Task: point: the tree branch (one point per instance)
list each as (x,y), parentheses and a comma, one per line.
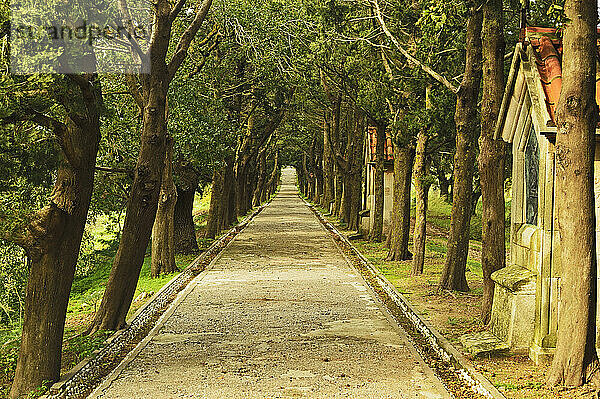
(176,10)
(347,92)
(58,128)
(134,90)
(186,40)
(339,158)
(207,53)
(406,54)
(106,169)
(137,50)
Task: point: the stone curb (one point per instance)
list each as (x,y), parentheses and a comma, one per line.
(440,345)
(84,377)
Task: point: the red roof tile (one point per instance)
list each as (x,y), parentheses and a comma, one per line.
(548,51)
(389,149)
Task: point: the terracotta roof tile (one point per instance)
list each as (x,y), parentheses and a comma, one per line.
(389,149)
(548,51)
(549,66)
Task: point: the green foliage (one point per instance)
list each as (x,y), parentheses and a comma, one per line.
(13,278)
(80,347)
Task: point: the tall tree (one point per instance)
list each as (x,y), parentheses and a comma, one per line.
(163,232)
(453,276)
(355,169)
(575,361)
(404,155)
(52,237)
(491,153)
(150,94)
(422,185)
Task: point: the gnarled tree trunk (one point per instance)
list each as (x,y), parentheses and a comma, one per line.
(163,232)
(52,241)
(453,276)
(139,217)
(575,361)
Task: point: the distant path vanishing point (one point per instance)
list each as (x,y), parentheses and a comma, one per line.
(281,314)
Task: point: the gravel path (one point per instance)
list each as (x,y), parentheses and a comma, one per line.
(279,315)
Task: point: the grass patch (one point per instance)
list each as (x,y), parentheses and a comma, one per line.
(439,211)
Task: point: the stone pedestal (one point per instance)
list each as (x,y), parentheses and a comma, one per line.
(365,221)
(541,355)
(513,311)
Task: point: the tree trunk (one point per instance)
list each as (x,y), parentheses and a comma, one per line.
(444,187)
(217,202)
(339,191)
(52,243)
(241,180)
(453,276)
(491,154)
(185,232)
(163,232)
(356,162)
(440,174)
(474,200)
(259,192)
(228,199)
(274,179)
(251,183)
(144,192)
(422,186)
(376,231)
(306,180)
(318,164)
(328,175)
(400,229)
(335,152)
(140,215)
(311,170)
(187,180)
(575,361)
(346,199)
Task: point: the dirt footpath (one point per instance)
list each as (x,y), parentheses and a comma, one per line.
(279,315)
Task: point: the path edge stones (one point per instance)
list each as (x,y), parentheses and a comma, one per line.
(88,374)
(431,338)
